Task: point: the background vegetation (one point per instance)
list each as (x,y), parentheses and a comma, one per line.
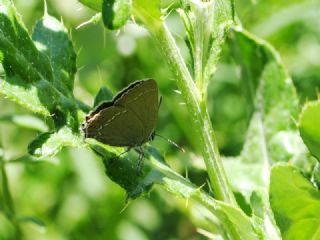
(70,192)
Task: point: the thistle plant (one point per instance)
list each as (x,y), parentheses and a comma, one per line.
(38,73)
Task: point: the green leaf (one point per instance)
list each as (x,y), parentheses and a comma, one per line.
(245,177)
(272,135)
(104,94)
(20,60)
(29,79)
(26,121)
(262,214)
(309,127)
(115,13)
(123,170)
(50,143)
(51,38)
(20,56)
(295,203)
(270,92)
(39,76)
(25,159)
(40,97)
(268,87)
(93,4)
(147,13)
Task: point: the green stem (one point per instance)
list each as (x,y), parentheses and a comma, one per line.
(168,179)
(6,200)
(198,110)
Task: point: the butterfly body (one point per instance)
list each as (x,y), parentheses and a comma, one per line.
(129,120)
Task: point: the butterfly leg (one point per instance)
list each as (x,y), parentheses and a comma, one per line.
(117,157)
(140,160)
(127,150)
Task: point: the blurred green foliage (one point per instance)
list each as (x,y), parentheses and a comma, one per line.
(71,193)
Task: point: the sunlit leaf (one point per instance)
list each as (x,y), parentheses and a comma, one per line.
(270,92)
(309,127)
(272,135)
(50,143)
(39,76)
(295,203)
(115,13)
(29,79)
(20,56)
(51,38)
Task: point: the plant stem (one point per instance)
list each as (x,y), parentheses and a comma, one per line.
(168,179)
(197,107)
(6,199)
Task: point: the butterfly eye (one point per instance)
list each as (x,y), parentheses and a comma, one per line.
(152,136)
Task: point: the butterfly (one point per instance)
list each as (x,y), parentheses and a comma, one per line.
(129,119)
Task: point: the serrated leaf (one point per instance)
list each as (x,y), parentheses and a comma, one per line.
(29,79)
(123,170)
(51,38)
(115,13)
(104,94)
(309,127)
(20,56)
(295,203)
(270,92)
(50,143)
(272,135)
(40,78)
(25,94)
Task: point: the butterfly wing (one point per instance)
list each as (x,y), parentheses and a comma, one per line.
(142,99)
(115,126)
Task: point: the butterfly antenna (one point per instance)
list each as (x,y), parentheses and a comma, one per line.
(170,141)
